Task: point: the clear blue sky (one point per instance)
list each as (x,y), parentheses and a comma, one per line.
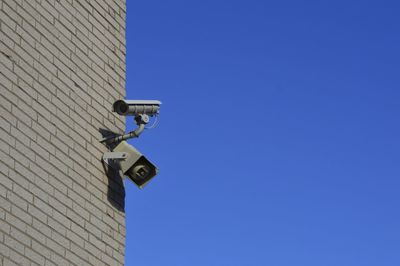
(279,135)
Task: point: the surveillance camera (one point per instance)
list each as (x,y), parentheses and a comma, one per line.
(141,109)
(136,107)
(125,157)
(134,165)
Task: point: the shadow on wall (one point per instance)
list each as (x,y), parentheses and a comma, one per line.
(116,190)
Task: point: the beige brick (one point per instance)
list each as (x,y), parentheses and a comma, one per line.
(14,244)
(5,227)
(37,213)
(5,252)
(21,136)
(19,259)
(75,238)
(20,236)
(35,236)
(60,260)
(53,245)
(75,258)
(62,65)
(34,256)
(23,194)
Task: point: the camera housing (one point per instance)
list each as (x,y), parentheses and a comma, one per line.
(136,107)
(135,165)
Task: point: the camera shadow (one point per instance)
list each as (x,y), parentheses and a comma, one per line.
(115,186)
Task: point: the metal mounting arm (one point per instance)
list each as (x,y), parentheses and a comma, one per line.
(141,121)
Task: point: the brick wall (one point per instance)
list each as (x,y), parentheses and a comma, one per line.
(62,65)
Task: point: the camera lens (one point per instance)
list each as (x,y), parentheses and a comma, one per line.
(141,171)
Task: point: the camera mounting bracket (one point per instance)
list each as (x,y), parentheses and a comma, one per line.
(116,156)
(141,121)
